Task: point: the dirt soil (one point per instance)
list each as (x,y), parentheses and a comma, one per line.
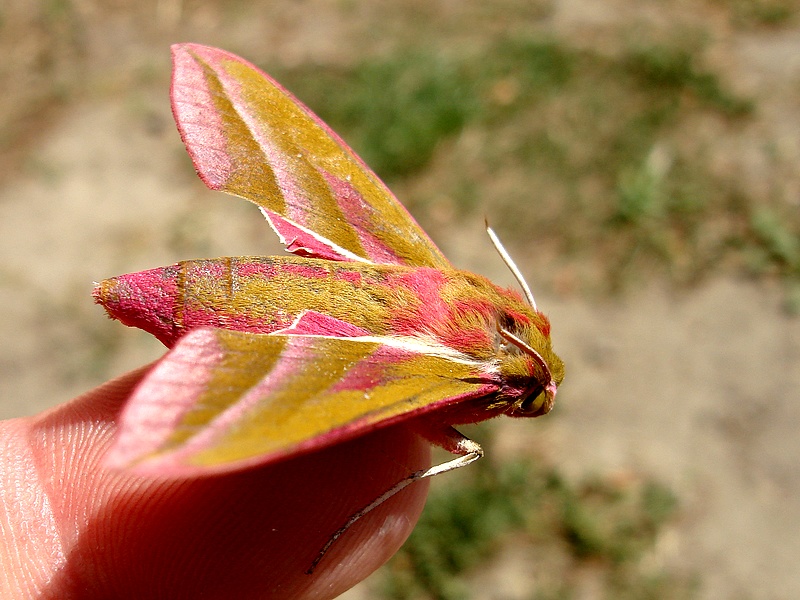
(698,388)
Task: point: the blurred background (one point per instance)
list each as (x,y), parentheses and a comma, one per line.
(639,158)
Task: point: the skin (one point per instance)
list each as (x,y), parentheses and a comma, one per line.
(71,529)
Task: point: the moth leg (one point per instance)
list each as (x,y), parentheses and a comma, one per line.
(448,438)
(453,441)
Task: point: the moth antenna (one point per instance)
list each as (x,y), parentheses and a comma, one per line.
(498,245)
(528,350)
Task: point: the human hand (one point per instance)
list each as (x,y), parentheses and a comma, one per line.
(69,528)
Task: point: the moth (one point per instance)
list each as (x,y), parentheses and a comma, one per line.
(364,324)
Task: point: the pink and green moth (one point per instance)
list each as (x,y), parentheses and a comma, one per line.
(365,324)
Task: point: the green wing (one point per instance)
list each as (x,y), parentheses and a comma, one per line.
(250,137)
(222,400)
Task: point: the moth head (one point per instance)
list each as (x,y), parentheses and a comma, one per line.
(535,398)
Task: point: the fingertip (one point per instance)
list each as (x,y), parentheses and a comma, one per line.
(254,533)
(372,540)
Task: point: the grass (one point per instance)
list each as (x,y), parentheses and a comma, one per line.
(395,112)
(396,133)
(760,13)
(601,526)
(775,248)
(673,71)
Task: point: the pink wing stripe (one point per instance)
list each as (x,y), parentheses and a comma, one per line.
(311,322)
(249,136)
(205,138)
(363,218)
(284,370)
(151,416)
(359,214)
(300,242)
(202,129)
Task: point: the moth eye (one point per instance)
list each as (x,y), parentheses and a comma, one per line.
(532,405)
